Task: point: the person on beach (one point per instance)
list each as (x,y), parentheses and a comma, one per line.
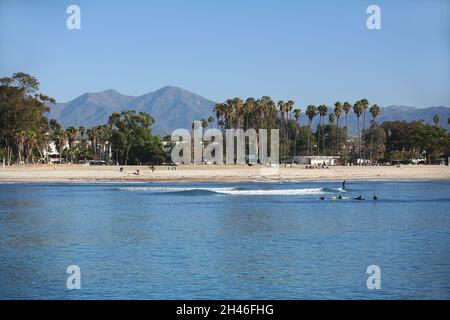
(136,173)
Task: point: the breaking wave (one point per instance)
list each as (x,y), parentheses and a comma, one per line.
(227,191)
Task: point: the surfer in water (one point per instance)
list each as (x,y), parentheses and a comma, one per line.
(340,197)
(375,197)
(343,185)
(359,198)
(322,198)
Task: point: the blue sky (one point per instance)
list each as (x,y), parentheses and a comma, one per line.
(309,51)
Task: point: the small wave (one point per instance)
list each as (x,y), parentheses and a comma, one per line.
(227,191)
(172,189)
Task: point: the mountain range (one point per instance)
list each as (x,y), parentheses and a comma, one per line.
(173,107)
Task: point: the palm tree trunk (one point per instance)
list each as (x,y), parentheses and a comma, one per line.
(309,137)
(295,142)
(287,135)
(371,139)
(364,135)
(318,137)
(371,147)
(337,137)
(323,136)
(346,137)
(359,140)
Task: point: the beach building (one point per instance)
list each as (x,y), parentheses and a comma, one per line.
(317,160)
(51,153)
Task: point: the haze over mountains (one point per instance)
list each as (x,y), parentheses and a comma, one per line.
(174,107)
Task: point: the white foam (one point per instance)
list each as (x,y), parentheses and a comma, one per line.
(172,189)
(277,192)
(230,191)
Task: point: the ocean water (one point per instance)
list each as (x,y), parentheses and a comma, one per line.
(255,240)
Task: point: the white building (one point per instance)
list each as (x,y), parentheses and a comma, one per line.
(317,160)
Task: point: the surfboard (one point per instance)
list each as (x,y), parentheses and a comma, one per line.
(336,198)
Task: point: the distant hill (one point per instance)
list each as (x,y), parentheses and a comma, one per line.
(410,113)
(174,107)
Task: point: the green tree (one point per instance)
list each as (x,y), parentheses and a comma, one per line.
(375,111)
(323,109)
(436,120)
(358,109)
(60,139)
(131,135)
(297,113)
(337,114)
(311,112)
(365,106)
(22,109)
(210,120)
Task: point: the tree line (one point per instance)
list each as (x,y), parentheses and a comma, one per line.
(26,133)
(390,141)
(126,138)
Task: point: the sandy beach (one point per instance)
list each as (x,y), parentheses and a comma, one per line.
(80,173)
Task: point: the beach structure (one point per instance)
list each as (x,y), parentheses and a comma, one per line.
(51,153)
(317,160)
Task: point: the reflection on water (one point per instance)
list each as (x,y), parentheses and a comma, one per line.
(219,241)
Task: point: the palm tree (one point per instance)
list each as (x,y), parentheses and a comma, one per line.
(331,118)
(289,107)
(72,133)
(210,120)
(311,112)
(204,123)
(82,131)
(60,137)
(375,111)
(269,111)
(282,108)
(337,113)
(239,111)
(93,134)
(436,120)
(297,113)
(347,108)
(233,112)
(228,114)
(219,110)
(358,110)
(365,105)
(323,109)
(250,106)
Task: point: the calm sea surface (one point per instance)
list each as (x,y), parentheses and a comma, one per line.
(225,240)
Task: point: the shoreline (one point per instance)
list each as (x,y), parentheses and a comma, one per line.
(215,173)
